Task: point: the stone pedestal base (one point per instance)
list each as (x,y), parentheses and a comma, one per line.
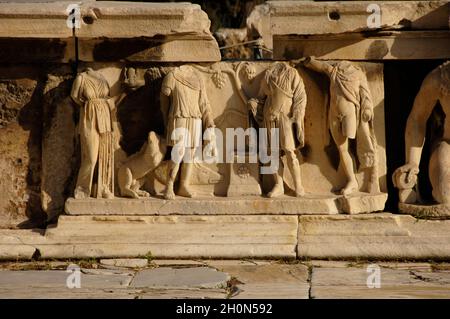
(250,205)
(368,236)
(440,211)
(173,236)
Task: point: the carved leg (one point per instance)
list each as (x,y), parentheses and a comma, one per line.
(439,172)
(278,188)
(125,180)
(294,167)
(137,188)
(173,171)
(89,140)
(186,172)
(347,164)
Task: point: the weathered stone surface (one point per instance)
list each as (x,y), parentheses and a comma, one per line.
(277,19)
(269,281)
(425,211)
(172,32)
(352,283)
(182,294)
(66,293)
(284,205)
(59,142)
(125,262)
(34,20)
(203,206)
(57,279)
(198,277)
(380,235)
(19,244)
(383,45)
(171,236)
(20,151)
(302,17)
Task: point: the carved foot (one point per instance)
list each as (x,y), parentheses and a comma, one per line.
(80,194)
(352,187)
(299,192)
(107,195)
(276,191)
(142,193)
(185,192)
(169,194)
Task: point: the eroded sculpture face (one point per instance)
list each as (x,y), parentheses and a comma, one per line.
(435,89)
(233,134)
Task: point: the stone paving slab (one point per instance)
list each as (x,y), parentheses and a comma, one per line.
(269,281)
(403,282)
(198,277)
(57,279)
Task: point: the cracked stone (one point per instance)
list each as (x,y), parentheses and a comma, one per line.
(198,277)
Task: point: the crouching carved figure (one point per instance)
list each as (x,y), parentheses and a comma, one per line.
(435,88)
(132,173)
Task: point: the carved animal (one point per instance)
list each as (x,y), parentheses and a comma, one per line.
(131,174)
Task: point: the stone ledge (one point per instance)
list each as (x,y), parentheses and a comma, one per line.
(285,205)
(383,236)
(385,45)
(171,236)
(298,17)
(168,32)
(19,244)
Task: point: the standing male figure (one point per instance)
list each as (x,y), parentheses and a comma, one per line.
(186,111)
(350,116)
(283,110)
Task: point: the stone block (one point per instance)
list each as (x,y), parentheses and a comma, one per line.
(171,236)
(198,277)
(381,235)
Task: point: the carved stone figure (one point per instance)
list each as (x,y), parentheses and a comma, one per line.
(185,108)
(350,117)
(91,91)
(283,109)
(131,175)
(435,88)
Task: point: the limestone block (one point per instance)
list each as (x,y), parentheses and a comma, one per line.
(268,281)
(19,244)
(298,17)
(351,282)
(34,20)
(125,262)
(380,235)
(438,211)
(383,45)
(197,277)
(35,32)
(20,152)
(171,236)
(341,30)
(175,32)
(243,205)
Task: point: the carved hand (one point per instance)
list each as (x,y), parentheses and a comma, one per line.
(405,177)
(252,105)
(367,115)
